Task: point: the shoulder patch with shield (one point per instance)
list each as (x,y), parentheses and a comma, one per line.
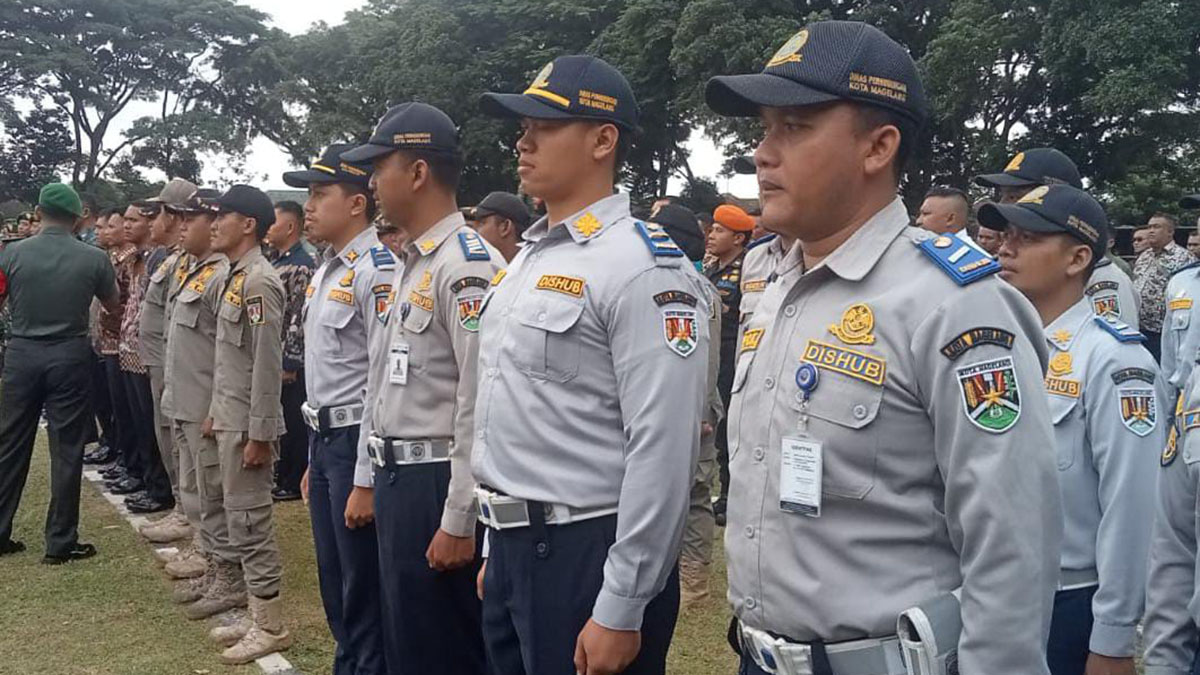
(383,301)
(254,310)
(1139,411)
(990,394)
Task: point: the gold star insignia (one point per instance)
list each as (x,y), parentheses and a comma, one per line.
(351,256)
(426,246)
(1062,335)
(588,225)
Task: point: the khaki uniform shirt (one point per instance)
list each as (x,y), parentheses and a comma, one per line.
(191,341)
(248,370)
(152,322)
(933,423)
(431,348)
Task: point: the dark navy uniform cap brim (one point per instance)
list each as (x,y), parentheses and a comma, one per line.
(302,179)
(1190,202)
(1004,180)
(743,95)
(999,216)
(520,105)
(367,153)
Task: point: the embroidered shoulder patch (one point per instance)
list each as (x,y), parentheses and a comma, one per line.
(1139,412)
(984,335)
(679,297)
(470,309)
(1126,374)
(1106,285)
(254,310)
(499,276)
(751,338)
(473,247)
(383,301)
(658,241)
(572,286)
(755,286)
(233,292)
(990,395)
(1061,386)
(964,264)
(423,301)
(468,282)
(856,364)
(344,297)
(679,329)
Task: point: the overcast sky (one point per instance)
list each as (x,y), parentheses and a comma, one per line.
(265,161)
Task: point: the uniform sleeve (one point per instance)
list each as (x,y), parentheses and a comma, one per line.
(295,284)
(461,288)
(1001,485)
(1125,464)
(266,343)
(383,281)
(662,397)
(1130,302)
(714,411)
(1170,634)
(1168,344)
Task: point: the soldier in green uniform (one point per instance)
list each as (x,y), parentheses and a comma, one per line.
(49,281)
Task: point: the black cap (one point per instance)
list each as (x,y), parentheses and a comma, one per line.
(1036,166)
(1190,202)
(204,200)
(330,168)
(1053,209)
(570,87)
(744,165)
(408,126)
(679,222)
(827,61)
(504,204)
(248,201)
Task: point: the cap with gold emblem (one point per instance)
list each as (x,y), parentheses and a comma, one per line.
(330,168)
(1036,166)
(570,87)
(827,61)
(1053,209)
(408,126)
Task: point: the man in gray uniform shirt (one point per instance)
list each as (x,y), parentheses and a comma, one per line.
(889,425)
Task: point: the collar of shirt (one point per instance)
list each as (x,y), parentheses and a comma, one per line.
(587,224)
(858,254)
(290,256)
(434,236)
(1062,331)
(358,247)
(57,230)
(255,253)
(212,256)
(122,254)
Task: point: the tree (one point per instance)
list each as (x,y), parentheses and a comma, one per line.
(90,60)
(34,148)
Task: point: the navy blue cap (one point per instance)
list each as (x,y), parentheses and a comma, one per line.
(408,126)
(1053,209)
(1190,202)
(570,87)
(683,227)
(506,205)
(248,201)
(330,168)
(745,165)
(1036,166)
(827,61)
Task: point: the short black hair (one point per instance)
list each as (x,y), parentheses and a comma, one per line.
(1170,218)
(291,208)
(352,189)
(872,117)
(446,167)
(113,211)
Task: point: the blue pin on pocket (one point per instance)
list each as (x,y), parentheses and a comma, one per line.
(807,378)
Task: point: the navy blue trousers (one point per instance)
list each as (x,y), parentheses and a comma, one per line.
(1070,631)
(347,560)
(431,619)
(539,590)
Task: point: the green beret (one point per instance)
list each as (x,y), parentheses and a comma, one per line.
(61,198)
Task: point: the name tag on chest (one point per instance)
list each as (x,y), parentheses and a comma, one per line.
(800,473)
(398,363)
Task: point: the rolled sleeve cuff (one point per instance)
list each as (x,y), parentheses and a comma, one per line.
(364,474)
(264,428)
(458,523)
(1110,640)
(618,613)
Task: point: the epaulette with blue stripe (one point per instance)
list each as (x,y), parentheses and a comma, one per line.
(382,257)
(473,247)
(1119,329)
(1188,266)
(658,241)
(962,262)
(765,239)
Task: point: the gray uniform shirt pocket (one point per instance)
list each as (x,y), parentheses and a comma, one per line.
(187,310)
(1063,409)
(845,403)
(414,325)
(544,349)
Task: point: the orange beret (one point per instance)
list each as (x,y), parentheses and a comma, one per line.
(733,218)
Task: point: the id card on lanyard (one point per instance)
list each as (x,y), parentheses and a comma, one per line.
(800,460)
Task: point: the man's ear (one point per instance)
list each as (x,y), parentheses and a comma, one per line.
(506,226)
(250,226)
(605,145)
(884,146)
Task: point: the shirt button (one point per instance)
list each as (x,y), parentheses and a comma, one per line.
(491,372)
(504,311)
(751,603)
(769,383)
(749,531)
(759,453)
(479,434)
(860,411)
(790,310)
(541,316)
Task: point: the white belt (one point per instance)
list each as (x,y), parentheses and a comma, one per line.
(1070,580)
(420,451)
(501,512)
(873,656)
(336,416)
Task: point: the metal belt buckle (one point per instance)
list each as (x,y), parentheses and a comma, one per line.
(416,451)
(376,454)
(483,503)
(340,415)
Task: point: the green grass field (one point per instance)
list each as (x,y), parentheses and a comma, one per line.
(112,615)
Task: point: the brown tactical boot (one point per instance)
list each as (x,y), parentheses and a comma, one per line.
(191,590)
(187,566)
(228,634)
(227,590)
(267,633)
(174,527)
(693,583)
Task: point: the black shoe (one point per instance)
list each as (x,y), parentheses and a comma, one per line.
(114,471)
(148,505)
(719,518)
(135,497)
(285,495)
(11,546)
(127,486)
(76,552)
(101,455)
